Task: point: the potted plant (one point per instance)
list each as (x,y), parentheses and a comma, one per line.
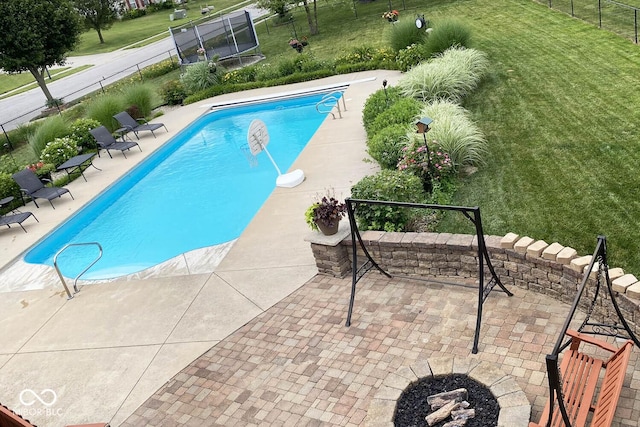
(391,16)
(325,215)
(201,54)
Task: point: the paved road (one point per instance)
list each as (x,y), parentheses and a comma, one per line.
(107,68)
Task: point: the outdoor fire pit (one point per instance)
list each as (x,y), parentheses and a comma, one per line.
(492,391)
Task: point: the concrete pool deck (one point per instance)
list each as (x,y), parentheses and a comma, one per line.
(108,349)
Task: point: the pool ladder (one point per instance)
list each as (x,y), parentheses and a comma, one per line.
(326,104)
(75,282)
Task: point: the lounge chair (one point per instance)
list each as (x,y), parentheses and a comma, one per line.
(16,218)
(106,141)
(31,185)
(129,124)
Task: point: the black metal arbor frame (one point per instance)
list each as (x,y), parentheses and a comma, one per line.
(471,213)
(608,327)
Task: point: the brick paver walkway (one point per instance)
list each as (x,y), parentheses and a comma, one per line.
(297,364)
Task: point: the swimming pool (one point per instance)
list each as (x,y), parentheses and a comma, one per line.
(199,190)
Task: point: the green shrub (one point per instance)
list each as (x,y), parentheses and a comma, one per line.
(103,107)
(427,161)
(20,135)
(50,129)
(240,75)
(140,95)
(386,146)
(265,73)
(173,92)
(378,102)
(411,56)
(8,165)
(405,33)
(156,7)
(8,187)
(447,34)
(388,185)
(456,133)
(200,76)
(60,150)
(160,69)
(449,76)
(402,112)
(80,132)
(134,14)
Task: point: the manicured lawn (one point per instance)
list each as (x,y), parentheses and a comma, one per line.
(560,113)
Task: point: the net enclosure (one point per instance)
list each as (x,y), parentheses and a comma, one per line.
(227,36)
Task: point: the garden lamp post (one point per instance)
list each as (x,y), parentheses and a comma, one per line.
(384,86)
(423,128)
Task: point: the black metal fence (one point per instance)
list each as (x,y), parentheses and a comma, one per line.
(80,92)
(611,15)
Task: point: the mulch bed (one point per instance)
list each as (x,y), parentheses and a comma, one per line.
(412,406)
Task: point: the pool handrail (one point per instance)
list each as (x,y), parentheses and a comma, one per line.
(333,97)
(75,282)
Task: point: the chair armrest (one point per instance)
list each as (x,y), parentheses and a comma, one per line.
(143,121)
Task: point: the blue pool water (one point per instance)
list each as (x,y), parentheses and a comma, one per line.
(198,190)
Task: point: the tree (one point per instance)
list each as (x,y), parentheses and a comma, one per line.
(97,14)
(312,20)
(281,7)
(36,34)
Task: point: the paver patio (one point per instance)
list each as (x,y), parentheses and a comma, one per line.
(297,363)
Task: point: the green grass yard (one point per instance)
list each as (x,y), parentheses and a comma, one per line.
(560,114)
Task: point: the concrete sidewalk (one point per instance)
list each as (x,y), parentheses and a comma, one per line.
(108,349)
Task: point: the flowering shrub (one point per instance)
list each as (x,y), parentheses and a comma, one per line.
(60,150)
(428,162)
(80,132)
(201,51)
(41,169)
(410,56)
(159,69)
(391,15)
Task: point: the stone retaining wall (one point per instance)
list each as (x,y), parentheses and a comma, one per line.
(550,269)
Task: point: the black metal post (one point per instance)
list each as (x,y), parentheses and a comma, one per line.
(635,24)
(355,9)
(599,14)
(384,86)
(7,137)
(426,146)
(139,72)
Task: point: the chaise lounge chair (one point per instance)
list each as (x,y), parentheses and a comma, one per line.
(106,141)
(16,218)
(31,185)
(129,124)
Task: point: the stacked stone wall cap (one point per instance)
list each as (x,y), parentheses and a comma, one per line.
(579,264)
(566,255)
(616,272)
(633,291)
(622,283)
(509,240)
(521,245)
(552,251)
(535,249)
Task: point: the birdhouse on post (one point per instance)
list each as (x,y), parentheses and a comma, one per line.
(423,125)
